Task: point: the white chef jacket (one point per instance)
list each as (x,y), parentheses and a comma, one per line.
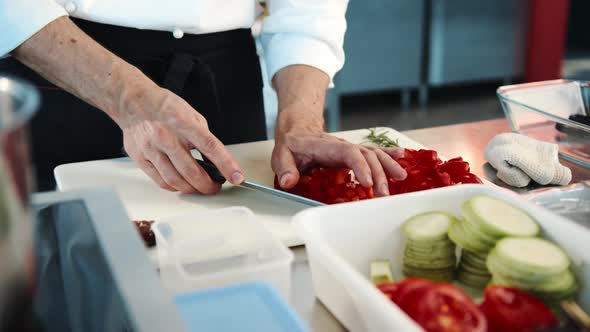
(309,32)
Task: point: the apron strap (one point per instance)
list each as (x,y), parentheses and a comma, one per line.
(181,66)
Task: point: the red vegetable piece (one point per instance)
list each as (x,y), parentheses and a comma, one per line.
(470,178)
(342,176)
(455,168)
(509,309)
(405,163)
(410,290)
(443,179)
(444,307)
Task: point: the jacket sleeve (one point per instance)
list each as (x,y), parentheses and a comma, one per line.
(20,19)
(309,32)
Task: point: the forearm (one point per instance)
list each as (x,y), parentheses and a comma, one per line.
(301,92)
(66,56)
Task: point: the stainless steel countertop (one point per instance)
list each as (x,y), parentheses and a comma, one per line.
(467,140)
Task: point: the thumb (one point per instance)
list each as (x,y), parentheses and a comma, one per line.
(284,165)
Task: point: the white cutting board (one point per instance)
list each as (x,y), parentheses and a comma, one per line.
(143,199)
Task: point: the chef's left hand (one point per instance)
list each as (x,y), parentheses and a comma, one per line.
(300,139)
(298,148)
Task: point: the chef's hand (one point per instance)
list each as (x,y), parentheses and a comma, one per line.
(300,140)
(298,149)
(159,130)
(159,127)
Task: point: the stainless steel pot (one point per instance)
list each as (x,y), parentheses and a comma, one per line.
(18,102)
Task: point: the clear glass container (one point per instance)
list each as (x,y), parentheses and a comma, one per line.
(545,111)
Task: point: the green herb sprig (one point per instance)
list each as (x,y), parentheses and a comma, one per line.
(381,139)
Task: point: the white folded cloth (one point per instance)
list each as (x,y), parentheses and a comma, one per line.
(520,159)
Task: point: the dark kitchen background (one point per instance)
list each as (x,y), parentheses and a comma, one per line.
(421,63)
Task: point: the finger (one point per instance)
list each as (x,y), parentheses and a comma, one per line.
(192,173)
(380,185)
(394,152)
(284,165)
(392,168)
(354,159)
(148,168)
(216,152)
(169,173)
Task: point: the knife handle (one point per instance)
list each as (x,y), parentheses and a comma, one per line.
(211,170)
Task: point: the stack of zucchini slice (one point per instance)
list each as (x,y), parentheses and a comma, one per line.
(486,220)
(429,252)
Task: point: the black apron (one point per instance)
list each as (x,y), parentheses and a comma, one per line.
(217,73)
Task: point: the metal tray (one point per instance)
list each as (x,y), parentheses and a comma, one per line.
(571,201)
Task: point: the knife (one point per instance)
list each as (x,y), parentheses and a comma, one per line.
(216,176)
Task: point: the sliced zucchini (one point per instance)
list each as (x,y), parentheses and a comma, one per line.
(529,256)
(498,218)
(474,270)
(381,272)
(458,235)
(409,252)
(436,275)
(473,231)
(475,259)
(427,227)
(473,280)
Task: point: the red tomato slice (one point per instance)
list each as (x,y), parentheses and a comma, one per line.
(444,308)
(390,289)
(411,290)
(509,309)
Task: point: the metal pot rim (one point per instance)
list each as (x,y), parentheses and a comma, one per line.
(22,91)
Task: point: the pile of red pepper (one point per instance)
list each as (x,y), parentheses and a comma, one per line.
(425,171)
(330,186)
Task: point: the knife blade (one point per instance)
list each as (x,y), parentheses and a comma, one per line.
(216,176)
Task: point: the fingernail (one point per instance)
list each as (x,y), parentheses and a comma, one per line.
(402,174)
(237,178)
(385,189)
(369,181)
(285,178)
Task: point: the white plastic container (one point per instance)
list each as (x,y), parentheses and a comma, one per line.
(342,240)
(219,248)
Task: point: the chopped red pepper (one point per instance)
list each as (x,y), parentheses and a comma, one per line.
(425,171)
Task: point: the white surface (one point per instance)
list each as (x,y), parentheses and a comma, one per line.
(145,200)
(220,248)
(340,255)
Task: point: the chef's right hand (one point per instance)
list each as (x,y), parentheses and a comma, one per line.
(160,129)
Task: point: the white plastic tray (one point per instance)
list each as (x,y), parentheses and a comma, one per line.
(342,241)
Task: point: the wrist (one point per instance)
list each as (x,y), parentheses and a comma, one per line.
(297,120)
(134,93)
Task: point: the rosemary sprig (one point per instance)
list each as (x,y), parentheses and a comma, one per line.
(381,139)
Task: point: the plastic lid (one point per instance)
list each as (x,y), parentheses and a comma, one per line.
(245,307)
(218,241)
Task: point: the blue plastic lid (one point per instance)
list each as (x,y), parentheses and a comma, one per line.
(245,307)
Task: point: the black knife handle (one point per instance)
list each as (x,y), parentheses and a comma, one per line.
(212,171)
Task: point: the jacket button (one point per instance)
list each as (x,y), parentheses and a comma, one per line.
(177,33)
(70,7)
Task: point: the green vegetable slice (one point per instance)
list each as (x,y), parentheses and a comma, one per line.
(381,272)
(458,235)
(426,227)
(528,256)
(498,218)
